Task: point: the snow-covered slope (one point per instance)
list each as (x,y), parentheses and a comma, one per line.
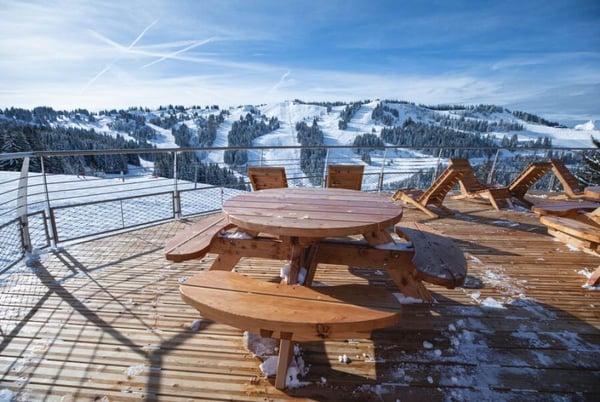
(289,113)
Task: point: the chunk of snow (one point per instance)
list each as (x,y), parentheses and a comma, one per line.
(284,273)
(134,370)
(492,303)
(406,299)
(344,359)
(6,395)
(236,235)
(269,366)
(195,325)
(259,346)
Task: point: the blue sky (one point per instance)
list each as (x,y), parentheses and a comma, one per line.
(538,56)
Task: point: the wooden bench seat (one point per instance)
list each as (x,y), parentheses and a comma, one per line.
(290,312)
(563,208)
(582,232)
(437,259)
(430,256)
(194,242)
(425,255)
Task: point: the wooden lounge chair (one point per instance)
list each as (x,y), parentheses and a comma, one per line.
(528,176)
(345,176)
(566,208)
(434,195)
(581,230)
(263,177)
(472,188)
(569,182)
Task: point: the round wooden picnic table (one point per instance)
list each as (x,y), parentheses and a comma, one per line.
(312,212)
(301,216)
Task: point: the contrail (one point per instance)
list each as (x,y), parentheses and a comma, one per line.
(281,81)
(142,34)
(185,49)
(90,82)
(109,66)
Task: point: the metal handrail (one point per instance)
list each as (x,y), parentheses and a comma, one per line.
(174,198)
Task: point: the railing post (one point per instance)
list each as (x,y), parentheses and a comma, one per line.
(490,178)
(380,181)
(122,214)
(176,195)
(324,180)
(50,221)
(22,206)
(437,165)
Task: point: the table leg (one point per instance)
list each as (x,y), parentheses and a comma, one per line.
(401,275)
(224,262)
(408,285)
(295,260)
(286,349)
(311,263)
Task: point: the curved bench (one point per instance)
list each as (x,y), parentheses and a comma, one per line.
(195,241)
(437,259)
(426,256)
(290,312)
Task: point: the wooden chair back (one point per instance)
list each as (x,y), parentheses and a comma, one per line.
(345,176)
(567,179)
(469,183)
(438,190)
(263,177)
(595,215)
(528,176)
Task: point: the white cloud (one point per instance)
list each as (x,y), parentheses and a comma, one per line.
(99,54)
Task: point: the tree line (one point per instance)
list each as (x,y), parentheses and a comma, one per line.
(312,161)
(24,137)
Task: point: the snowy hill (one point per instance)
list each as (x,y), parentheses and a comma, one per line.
(340,123)
(291,112)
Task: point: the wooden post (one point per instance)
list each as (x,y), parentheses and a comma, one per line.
(286,349)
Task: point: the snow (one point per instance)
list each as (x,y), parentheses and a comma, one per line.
(588,274)
(266,349)
(6,395)
(588,126)
(165,137)
(561,137)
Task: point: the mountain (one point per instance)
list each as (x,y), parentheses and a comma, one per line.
(367,124)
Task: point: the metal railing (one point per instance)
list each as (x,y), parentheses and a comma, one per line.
(40,208)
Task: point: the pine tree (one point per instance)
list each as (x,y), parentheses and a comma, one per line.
(590,174)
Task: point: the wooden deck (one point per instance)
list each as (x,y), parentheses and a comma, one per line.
(103,320)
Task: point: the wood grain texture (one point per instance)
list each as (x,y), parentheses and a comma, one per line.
(312,212)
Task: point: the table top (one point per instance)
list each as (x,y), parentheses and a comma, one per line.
(312,212)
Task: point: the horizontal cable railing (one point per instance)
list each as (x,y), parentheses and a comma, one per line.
(58,196)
